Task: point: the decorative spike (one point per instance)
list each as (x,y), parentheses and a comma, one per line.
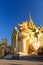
(30,16)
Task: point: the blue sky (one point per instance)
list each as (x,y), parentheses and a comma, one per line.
(12,12)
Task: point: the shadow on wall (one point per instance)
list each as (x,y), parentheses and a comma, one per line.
(32,58)
(28,58)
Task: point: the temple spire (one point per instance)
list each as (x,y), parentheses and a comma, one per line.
(30,16)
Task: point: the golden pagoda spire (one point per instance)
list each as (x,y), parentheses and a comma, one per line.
(30,16)
(31,23)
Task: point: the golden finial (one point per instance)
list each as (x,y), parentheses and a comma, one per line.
(30,16)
